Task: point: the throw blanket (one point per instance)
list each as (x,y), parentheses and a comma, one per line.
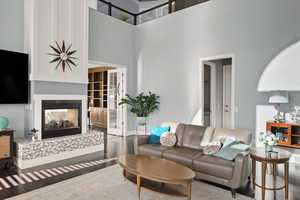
(231,151)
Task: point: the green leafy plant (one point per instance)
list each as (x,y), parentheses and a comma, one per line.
(124,17)
(142,105)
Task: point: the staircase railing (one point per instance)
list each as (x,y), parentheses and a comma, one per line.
(135,16)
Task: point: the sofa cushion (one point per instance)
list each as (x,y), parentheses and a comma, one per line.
(189,136)
(207,136)
(213,166)
(152,150)
(181,155)
(179,134)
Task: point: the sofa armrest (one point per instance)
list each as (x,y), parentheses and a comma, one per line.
(140,140)
(241,171)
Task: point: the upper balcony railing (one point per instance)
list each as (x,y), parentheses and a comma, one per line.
(136,18)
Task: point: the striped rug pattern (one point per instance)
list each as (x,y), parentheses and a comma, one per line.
(29,177)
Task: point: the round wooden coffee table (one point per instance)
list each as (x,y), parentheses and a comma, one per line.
(277,156)
(158,175)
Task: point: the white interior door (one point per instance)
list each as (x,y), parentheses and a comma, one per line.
(212,94)
(227,108)
(116,114)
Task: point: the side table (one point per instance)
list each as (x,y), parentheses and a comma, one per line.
(6,147)
(273,158)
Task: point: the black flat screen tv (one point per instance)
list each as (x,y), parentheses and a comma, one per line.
(14,79)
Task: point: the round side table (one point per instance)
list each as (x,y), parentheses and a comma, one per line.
(273,158)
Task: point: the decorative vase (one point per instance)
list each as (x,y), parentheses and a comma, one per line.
(141,121)
(3,123)
(268,148)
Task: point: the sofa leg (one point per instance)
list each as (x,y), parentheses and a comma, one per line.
(233,192)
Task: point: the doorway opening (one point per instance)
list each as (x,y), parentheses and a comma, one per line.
(217,89)
(106,88)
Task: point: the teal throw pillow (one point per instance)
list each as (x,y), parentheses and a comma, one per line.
(156,132)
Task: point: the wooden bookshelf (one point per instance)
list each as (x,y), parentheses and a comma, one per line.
(97,95)
(97,89)
(290,131)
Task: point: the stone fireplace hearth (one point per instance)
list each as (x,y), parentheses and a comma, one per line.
(62,124)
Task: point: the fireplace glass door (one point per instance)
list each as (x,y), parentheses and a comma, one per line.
(61,119)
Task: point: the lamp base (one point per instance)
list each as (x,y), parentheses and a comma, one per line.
(278,118)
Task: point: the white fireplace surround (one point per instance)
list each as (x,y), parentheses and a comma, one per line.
(37,109)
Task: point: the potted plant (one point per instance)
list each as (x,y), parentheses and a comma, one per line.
(142,105)
(124,17)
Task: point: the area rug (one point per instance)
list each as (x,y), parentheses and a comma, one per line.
(108,184)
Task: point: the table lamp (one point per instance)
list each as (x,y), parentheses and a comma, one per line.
(279,97)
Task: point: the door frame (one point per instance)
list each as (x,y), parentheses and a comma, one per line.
(224,89)
(233,82)
(212,92)
(95,64)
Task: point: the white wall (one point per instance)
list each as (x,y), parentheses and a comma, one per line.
(150,4)
(93,4)
(11,38)
(286,68)
(112,41)
(51,21)
(169,50)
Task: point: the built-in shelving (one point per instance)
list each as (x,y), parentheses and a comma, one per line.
(290,131)
(97,89)
(97,95)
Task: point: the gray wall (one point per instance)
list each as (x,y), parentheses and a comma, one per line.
(55,88)
(45,87)
(11,38)
(255,31)
(112,41)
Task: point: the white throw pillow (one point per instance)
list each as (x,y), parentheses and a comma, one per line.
(173,126)
(212,148)
(168,139)
(207,136)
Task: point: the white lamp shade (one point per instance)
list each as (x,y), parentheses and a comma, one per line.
(279,97)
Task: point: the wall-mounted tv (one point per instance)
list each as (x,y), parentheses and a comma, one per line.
(14,79)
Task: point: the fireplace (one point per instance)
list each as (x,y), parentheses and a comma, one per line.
(61,118)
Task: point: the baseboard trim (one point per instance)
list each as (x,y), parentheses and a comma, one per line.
(134,132)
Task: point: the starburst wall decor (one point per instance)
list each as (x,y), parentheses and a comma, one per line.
(63,56)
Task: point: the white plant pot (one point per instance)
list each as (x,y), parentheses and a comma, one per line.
(141,121)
